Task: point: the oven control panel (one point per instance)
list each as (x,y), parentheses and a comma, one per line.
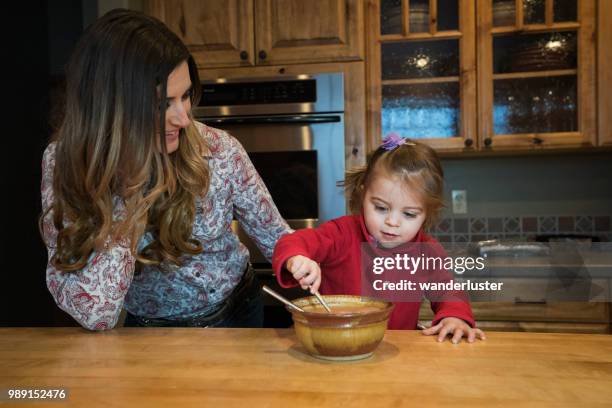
(251,93)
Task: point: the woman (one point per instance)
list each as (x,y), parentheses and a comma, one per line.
(138,197)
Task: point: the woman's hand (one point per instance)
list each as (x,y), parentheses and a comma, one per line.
(457,328)
(306,271)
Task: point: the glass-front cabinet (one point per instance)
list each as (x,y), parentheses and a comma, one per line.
(423,71)
(536,72)
(483,74)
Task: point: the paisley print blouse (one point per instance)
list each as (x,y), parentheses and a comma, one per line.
(95,295)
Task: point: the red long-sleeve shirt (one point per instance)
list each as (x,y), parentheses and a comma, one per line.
(336,245)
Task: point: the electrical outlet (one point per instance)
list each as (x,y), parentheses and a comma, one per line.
(459,201)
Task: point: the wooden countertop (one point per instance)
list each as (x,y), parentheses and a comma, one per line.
(266,367)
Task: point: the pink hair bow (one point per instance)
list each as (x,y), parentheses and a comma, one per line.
(393,140)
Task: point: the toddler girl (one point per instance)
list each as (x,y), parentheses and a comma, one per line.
(394,198)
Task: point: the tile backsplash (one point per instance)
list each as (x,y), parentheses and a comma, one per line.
(472,229)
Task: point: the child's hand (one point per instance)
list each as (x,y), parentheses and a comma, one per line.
(306,271)
(457,327)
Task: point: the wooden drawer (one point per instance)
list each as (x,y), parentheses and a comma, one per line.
(582,312)
(525,305)
(544,300)
(543,312)
(553,290)
(540,290)
(541,327)
(545,327)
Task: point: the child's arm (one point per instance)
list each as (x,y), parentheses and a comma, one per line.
(297,256)
(453,314)
(457,327)
(306,271)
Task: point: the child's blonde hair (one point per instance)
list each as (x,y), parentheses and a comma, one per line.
(415,164)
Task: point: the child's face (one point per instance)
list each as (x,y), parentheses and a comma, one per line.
(393,213)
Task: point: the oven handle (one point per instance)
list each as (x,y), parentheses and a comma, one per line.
(274,120)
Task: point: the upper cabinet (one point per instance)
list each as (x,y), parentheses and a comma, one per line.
(486,74)
(537,72)
(234,33)
(604,73)
(296,31)
(219,33)
(422,60)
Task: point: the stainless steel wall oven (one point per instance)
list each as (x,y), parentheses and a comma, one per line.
(293,130)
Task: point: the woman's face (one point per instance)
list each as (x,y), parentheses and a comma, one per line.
(178,105)
(393,213)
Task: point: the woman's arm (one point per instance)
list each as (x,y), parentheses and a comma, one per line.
(94,295)
(253,206)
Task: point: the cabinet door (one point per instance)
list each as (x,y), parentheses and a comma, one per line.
(604,73)
(298,31)
(422,71)
(536,73)
(219,33)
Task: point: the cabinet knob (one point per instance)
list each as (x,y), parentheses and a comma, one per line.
(262,55)
(468,142)
(488,141)
(244,55)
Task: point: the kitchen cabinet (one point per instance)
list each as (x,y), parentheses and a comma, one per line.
(422,71)
(536,73)
(486,75)
(235,33)
(217,32)
(558,317)
(604,73)
(530,310)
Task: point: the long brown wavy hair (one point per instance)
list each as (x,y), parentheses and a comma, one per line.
(416,165)
(108,146)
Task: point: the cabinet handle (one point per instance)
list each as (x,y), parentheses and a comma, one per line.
(537,140)
(262,55)
(468,142)
(488,141)
(518,301)
(244,55)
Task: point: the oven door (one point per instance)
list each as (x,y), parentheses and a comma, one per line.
(293,154)
(300,158)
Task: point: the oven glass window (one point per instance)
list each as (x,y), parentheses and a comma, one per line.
(291,178)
